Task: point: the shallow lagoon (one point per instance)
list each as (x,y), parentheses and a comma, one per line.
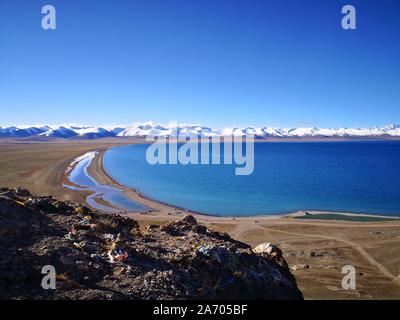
(112,195)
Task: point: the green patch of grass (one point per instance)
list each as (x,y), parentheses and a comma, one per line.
(343,217)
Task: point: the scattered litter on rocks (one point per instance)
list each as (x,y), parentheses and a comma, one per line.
(108,236)
(69,237)
(218,253)
(106,256)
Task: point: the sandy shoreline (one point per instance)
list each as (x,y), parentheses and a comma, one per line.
(159,209)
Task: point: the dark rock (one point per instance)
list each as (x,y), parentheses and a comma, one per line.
(178,260)
(23,192)
(188,220)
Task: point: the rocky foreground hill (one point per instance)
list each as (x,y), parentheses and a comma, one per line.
(104,256)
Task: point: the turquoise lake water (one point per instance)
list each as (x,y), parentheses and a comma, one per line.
(360,177)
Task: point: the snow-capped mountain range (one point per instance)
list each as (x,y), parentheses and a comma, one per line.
(142,129)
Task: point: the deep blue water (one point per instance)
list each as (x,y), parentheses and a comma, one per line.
(360,177)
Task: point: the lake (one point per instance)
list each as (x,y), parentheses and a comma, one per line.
(359,177)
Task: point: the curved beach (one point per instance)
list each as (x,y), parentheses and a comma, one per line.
(158,209)
(161,210)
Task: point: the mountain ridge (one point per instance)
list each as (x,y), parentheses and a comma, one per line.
(143,129)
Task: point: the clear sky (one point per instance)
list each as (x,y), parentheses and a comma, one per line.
(219,62)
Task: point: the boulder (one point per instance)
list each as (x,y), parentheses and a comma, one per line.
(268,248)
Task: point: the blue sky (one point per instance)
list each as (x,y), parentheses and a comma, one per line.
(220,62)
